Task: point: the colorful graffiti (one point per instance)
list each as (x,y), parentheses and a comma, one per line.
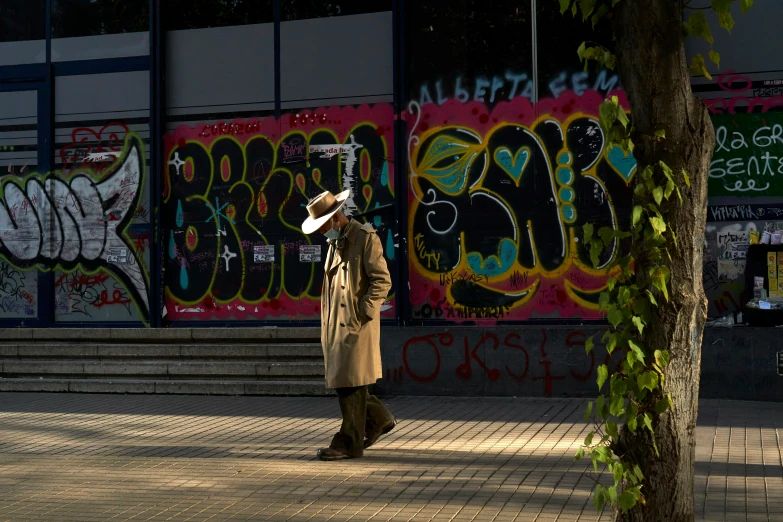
(77,225)
(497,201)
(235,198)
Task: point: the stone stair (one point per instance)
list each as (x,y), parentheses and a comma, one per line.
(203,361)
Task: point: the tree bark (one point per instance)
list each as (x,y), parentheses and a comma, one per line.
(654,73)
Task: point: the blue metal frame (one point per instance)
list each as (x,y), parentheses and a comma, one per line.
(157,110)
(401,160)
(278,101)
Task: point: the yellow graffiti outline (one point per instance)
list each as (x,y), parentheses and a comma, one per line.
(569,260)
(571,289)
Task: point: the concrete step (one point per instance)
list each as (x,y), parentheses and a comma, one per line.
(163,335)
(190,351)
(162,369)
(181,387)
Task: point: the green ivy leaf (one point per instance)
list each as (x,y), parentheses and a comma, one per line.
(663,404)
(603,454)
(661,358)
(745,5)
(603,301)
(611,429)
(638,472)
(637,214)
(616,405)
(637,321)
(573,9)
(658,224)
(725,19)
(647,380)
(579,454)
(627,501)
(632,423)
(600,496)
(698,66)
(587,231)
(595,250)
(610,61)
(564,6)
(607,235)
(636,348)
(697,25)
(651,297)
(589,344)
(615,316)
(670,186)
(659,276)
(648,423)
(622,117)
(661,134)
(602,374)
(617,472)
(658,195)
(687,178)
(714,57)
(589,410)
(589,439)
(587,7)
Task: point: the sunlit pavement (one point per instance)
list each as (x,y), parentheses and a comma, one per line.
(72,457)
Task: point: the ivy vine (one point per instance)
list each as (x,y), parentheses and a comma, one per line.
(633,398)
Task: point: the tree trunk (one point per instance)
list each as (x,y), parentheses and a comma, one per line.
(654,73)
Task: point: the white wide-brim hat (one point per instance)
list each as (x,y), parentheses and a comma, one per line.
(321,208)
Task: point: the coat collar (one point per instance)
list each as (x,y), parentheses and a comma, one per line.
(350,233)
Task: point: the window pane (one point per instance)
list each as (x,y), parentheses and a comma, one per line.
(454,49)
(98,17)
(302,9)
(559,36)
(321,63)
(199,14)
(98,119)
(22,20)
(18,159)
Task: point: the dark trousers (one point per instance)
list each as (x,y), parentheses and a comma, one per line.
(362,414)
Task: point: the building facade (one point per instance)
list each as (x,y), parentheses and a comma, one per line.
(156,158)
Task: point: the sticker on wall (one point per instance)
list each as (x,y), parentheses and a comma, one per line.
(117,255)
(310,253)
(263,253)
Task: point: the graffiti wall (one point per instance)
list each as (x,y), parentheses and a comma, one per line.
(234,200)
(76,224)
(497,199)
(745,181)
(529,361)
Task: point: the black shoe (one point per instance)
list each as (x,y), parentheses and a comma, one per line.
(372,439)
(332,454)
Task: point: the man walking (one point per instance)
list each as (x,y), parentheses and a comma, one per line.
(356,283)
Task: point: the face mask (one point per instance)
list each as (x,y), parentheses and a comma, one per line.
(332,233)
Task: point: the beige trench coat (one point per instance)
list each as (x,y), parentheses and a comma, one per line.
(351,306)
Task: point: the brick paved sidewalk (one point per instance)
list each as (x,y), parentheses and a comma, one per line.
(107,457)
